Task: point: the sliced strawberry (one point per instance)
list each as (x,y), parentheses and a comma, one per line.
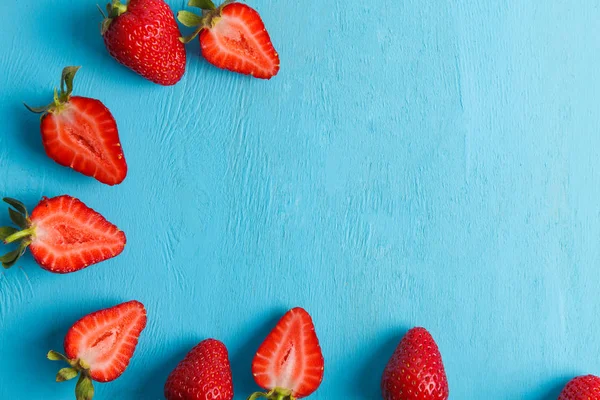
(233,37)
(63,234)
(289,362)
(204,373)
(81,133)
(100,345)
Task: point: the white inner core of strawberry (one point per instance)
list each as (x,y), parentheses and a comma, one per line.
(95,353)
(285,378)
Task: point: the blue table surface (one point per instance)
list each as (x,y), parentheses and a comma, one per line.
(415,162)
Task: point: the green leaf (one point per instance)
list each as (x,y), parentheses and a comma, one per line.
(6,231)
(68,75)
(84,389)
(66,374)
(39,110)
(10,258)
(203,4)
(56,356)
(189,19)
(17,205)
(19,219)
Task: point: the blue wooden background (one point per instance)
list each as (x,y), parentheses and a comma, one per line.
(415,162)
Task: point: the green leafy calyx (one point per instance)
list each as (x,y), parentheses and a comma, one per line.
(84,389)
(275,394)
(22,236)
(113,10)
(209,18)
(60,98)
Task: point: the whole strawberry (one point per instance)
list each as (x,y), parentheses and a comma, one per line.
(100,345)
(232,37)
(415,371)
(204,373)
(581,388)
(143,35)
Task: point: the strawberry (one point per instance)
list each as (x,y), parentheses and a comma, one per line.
(81,133)
(143,36)
(204,373)
(415,371)
(232,37)
(289,363)
(581,388)
(63,234)
(100,345)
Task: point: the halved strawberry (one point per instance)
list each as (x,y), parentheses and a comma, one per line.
(289,363)
(100,345)
(81,133)
(232,37)
(63,234)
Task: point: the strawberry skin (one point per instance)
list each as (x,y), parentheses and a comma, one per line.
(415,371)
(289,362)
(143,36)
(64,235)
(100,345)
(204,373)
(81,133)
(581,388)
(234,37)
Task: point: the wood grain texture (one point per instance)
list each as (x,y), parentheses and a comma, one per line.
(418,162)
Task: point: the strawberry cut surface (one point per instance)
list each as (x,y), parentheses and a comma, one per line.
(106,340)
(83,135)
(290,357)
(70,236)
(239,42)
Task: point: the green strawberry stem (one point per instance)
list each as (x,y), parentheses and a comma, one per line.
(114,9)
(209,18)
(84,389)
(62,97)
(20,235)
(275,394)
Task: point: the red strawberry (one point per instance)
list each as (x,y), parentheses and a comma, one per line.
(204,373)
(289,363)
(81,133)
(415,371)
(100,345)
(143,36)
(63,234)
(233,37)
(582,388)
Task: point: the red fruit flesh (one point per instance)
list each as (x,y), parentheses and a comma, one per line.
(581,388)
(290,357)
(204,373)
(83,135)
(415,371)
(105,340)
(239,42)
(70,236)
(146,39)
